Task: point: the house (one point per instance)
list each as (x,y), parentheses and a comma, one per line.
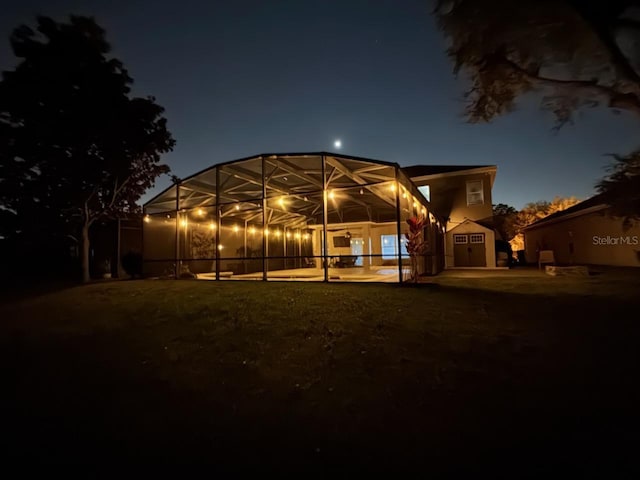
(315,216)
(584,234)
(461,196)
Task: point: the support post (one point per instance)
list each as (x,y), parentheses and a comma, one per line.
(398,219)
(325,261)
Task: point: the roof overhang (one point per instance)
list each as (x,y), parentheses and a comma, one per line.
(491,170)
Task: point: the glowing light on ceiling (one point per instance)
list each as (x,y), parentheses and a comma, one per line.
(332,195)
(200,212)
(147,218)
(212,226)
(235,228)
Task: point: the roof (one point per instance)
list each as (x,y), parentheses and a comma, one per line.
(425,170)
(578,209)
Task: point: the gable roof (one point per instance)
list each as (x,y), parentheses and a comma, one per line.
(425,170)
(468,221)
(586,206)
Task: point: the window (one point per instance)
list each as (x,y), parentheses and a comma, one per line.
(459,239)
(477,237)
(425,191)
(475,195)
(389,247)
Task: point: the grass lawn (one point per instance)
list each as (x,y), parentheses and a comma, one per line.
(525,376)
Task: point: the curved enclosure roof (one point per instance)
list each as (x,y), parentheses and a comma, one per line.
(358,189)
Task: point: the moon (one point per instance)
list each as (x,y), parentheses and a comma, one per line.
(337,144)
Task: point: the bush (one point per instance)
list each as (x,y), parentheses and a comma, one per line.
(132,264)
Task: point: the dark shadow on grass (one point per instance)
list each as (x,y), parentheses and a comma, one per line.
(517,384)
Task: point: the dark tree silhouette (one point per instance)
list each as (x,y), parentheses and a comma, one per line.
(621,188)
(505,219)
(575,53)
(75,146)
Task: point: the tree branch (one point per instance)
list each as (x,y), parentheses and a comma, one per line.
(604,33)
(616,99)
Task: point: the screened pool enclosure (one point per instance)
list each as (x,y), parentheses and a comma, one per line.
(313,217)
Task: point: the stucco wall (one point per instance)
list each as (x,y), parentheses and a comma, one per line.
(597,240)
(449,198)
(365,231)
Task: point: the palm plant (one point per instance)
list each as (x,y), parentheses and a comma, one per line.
(416,243)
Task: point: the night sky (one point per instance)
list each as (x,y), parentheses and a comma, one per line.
(239,78)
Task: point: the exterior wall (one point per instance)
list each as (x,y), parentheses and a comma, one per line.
(470,227)
(368,232)
(449,198)
(596,240)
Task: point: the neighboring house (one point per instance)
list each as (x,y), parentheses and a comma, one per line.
(461,196)
(584,234)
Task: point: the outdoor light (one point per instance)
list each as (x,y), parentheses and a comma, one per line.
(288,235)
(252,231)
(305,236)
(415,205)
(331,195)
(306,199)
(220,247)
(237,207)
(297,235)
(278,233)
(266,232)
(147,218)
(362,191)
(393,187)
(235,229)
(212,226)
(184,223)
(281,202)
(200,212)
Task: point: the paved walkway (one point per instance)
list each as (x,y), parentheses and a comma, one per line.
(517,272)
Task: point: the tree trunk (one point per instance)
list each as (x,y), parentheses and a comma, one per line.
(84,252)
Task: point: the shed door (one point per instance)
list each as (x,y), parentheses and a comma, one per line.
(469,250)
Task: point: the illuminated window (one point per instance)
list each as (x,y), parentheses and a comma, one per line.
(425,191)
(475,195)
(390,247)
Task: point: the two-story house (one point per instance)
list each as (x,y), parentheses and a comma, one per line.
(461,196)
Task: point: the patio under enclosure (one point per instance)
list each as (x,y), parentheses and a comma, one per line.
(313,217)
